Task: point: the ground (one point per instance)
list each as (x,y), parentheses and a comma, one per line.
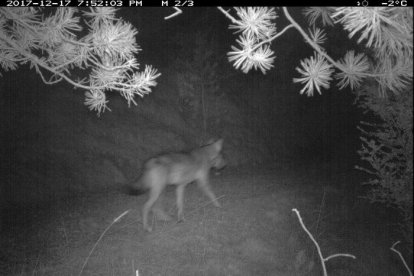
(254,233)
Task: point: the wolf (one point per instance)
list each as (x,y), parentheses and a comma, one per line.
(179,169)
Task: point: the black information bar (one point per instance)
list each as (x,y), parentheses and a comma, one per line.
(199,3)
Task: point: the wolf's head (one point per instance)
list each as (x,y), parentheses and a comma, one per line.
(216,157)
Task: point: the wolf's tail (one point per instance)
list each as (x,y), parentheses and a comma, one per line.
(135,187)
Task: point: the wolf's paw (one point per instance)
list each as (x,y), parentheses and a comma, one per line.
(148,229)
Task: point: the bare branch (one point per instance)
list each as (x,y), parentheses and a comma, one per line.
(177,12)
(401,257)
(323,260)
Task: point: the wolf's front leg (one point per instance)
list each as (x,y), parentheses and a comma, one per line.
(205,187)
(180,202)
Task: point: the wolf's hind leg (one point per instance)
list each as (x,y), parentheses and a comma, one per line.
(153,196)
(158,209)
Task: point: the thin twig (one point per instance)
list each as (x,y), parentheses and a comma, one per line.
(401,257)
(310,41)
(339,255)
(96,243)
(323,260)
(274,37)
(313,240)
(226,13)
(204,205)
(177,12)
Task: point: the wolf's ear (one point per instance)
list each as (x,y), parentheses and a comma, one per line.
(210,141)
(218,144)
